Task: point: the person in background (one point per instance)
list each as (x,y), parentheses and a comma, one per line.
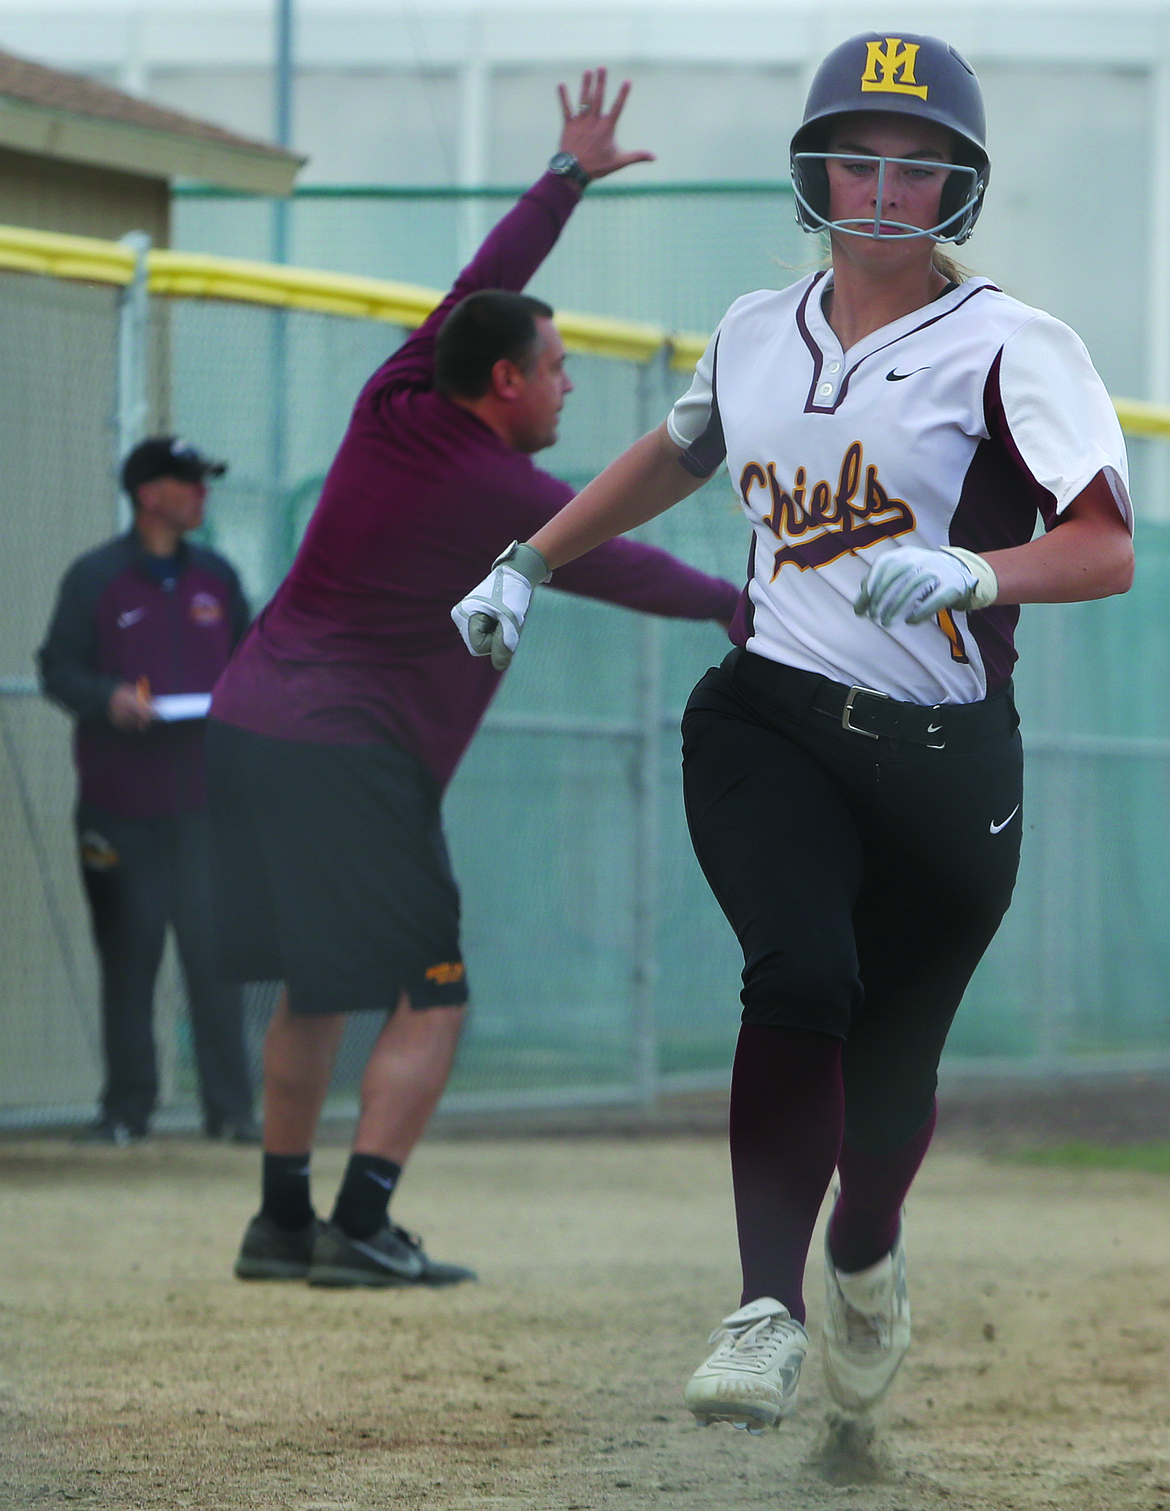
(345,712)
(142,628)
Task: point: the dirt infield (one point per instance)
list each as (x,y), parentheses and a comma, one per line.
(138,1374)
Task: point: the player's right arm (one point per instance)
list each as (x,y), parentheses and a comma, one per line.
(656,473)
(642,483)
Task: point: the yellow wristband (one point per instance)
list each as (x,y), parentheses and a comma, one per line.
(986,589)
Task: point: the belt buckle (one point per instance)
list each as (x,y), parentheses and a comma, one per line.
(847,723)
(936,729)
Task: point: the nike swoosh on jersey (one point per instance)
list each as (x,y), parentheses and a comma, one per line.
(995,828)
(894,376)
(129,617)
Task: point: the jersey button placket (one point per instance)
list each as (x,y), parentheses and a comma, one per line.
(829,381)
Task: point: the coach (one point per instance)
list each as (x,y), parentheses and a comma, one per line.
(139,621)
(343,715)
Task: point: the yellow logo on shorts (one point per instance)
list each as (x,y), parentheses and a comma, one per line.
(443,975)
(882,68)
(97,854)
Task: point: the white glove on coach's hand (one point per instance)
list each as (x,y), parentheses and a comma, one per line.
(491,617)
(913,584)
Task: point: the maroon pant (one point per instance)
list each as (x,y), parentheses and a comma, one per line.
(864,878)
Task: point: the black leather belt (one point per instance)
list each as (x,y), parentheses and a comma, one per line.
(870,714)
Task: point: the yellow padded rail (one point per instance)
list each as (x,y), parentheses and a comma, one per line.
(1141,418)
(193,275)
(204,277)
(59,256)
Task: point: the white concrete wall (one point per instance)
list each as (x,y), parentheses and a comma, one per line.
(424,93)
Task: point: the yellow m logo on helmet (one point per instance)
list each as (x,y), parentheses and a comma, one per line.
(889,69)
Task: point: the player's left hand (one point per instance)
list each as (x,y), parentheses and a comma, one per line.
(492,615)
(589,129)
(911,584)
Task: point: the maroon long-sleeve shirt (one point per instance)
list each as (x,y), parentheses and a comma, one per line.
(116,621)
(358,645)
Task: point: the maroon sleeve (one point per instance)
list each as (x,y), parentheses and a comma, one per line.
(508,258)
(622,571)
(643,577)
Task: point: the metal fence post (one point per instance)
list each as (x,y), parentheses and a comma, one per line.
(133,410)
(647,838)
(1057,799)
(133,326)
(279,523)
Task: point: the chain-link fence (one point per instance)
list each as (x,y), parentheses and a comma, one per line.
(673,254)
(603,971)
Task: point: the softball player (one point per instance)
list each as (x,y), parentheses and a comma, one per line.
(853,770)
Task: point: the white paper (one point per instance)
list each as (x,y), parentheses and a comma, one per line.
(174,706)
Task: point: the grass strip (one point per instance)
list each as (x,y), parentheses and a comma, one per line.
(1151,1159)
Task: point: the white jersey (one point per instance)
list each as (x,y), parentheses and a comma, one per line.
(955,425)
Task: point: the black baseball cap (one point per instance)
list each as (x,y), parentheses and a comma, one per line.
(168,456)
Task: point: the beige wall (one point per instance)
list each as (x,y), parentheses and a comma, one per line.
(49,1031)
(47,194)
(57,499)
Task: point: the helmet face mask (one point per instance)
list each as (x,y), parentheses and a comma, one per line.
(959,205)
(908,78)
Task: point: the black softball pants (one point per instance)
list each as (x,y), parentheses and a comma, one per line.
(141,876)
(864,877)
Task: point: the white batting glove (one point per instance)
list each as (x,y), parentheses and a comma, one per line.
(912,584)
(491,617)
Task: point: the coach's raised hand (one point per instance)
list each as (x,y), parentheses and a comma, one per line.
(589,129)
(492,615)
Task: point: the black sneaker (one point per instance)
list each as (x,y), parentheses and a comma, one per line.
(391,1256)
(107,1130)
(271,1253)
(245,1130)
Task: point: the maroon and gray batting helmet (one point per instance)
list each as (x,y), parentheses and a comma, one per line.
(911,76)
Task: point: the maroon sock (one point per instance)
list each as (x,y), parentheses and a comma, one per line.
(867,1216)
(787,1111)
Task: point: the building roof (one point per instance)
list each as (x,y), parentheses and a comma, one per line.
(65,115)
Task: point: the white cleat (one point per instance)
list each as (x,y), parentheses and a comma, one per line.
(866,1329)
(752,1377)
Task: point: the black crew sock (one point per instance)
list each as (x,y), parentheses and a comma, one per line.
(365,1194)
(285,1199)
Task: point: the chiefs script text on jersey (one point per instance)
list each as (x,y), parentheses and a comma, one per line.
(960,424)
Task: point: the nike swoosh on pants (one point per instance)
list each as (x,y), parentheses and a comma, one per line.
(995,828)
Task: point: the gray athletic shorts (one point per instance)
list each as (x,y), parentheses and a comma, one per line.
(331,873)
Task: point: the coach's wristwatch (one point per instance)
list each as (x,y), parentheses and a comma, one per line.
(568,167)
